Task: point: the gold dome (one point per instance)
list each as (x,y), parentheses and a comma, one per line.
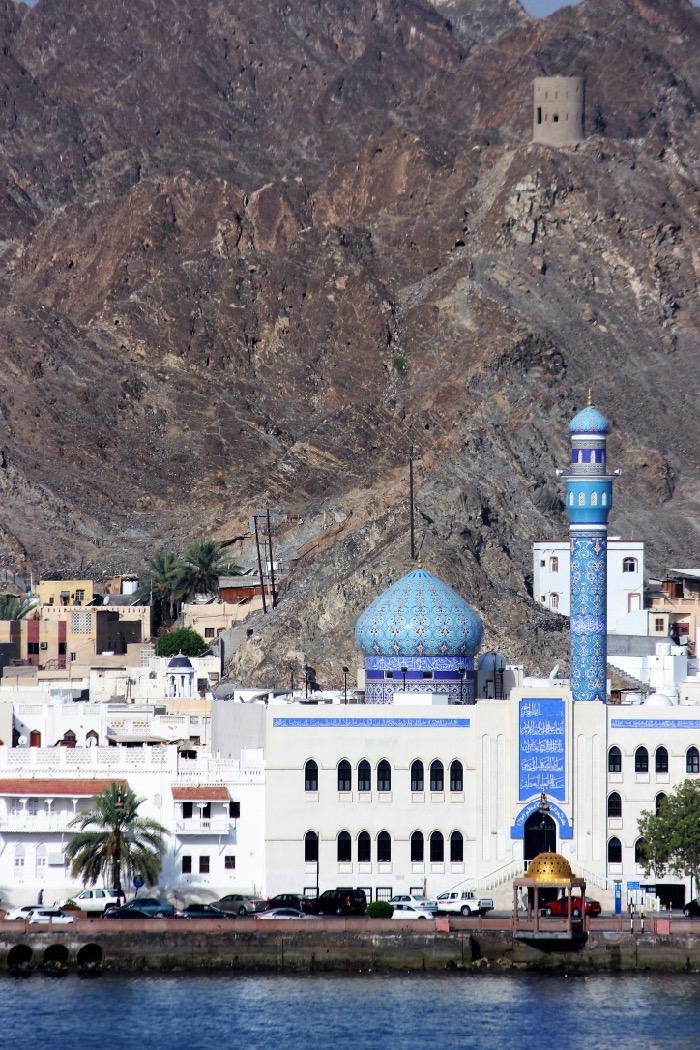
(550,867)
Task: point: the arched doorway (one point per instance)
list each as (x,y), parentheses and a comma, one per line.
(540,835)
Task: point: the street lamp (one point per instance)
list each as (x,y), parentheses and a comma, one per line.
(345,671)
(291,671)
(404,672)
(117,855)
(461,685)
(543,808)
(306,681)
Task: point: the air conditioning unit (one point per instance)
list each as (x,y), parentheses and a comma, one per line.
(44,645)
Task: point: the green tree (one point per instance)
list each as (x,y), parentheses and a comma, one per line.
(183,640)
(200,567)
(14,608)
(113,839)
(672,835)
(159,583)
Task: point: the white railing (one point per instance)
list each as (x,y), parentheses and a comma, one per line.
(39,822)
(595,878)
(212,826)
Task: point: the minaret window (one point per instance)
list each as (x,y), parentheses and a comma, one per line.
(571,499)
(604,500)
(594,499)
(581,499)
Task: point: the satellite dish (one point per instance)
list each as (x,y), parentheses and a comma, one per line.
(22,741)
(554,672)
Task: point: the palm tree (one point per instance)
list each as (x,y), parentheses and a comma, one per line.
(202,563)
(14,608)
(158,582)
(113,838)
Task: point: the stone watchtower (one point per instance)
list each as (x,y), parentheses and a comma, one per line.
(558,113)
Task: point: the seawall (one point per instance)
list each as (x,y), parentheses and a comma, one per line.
(349,945)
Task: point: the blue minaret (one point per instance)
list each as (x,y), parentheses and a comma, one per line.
(588,502)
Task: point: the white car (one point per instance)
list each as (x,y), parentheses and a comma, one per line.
(414,899)
(92,900)
(50,915)
(409,911)
(22,913)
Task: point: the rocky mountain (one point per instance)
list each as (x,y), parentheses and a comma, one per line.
(251,254)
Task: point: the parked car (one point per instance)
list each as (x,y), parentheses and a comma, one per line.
(463,902)
(50,915)
(287,900)
(93,900)
(141,908)
(416,901)
(204,911)
(410,911)
(241,903)
(22,913)
(285,913)
(691,910)
(561,907)
(343,901)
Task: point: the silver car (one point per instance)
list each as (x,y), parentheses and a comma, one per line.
(242,903)
(50,915)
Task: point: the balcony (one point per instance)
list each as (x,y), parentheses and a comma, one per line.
(37,823)
(212,826)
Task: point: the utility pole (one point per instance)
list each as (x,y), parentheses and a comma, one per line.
(410,483)
(272,563)
(257,547)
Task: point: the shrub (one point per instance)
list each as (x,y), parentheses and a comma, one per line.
(183,640)
(380,910)
(400,364)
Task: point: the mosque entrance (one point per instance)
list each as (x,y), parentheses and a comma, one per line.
(540,835)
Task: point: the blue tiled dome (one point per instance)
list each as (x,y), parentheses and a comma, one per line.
(589,421)
(419,615)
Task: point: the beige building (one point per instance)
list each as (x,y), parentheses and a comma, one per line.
(211,618)
(558,110)
(677,599)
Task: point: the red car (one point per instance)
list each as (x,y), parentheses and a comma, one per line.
(561,907)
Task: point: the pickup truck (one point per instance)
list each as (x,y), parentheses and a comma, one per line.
(95,900)
(463,902)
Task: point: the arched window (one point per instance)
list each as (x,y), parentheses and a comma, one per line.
(456,847)
(639,846)
(614,760)
(581,499)
(383,776)
(614,851)
(554,564)
(437,847)
(571,499)
(554,601)
(311,776)
(692,760)
(661,760)
(660,799)
(437,776)
(364,847)
(417,847)
(364,776)
(641,760)
(384,847)
(311,847)
(629,564)
(344,847)
(604,500)
(614,805)
(19,861)
(344,776)
(594,499)
(456,776)
(417,775)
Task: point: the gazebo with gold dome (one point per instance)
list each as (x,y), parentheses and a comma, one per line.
(548,874)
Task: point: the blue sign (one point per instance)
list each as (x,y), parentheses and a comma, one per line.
(632,885)
(542,731)
(138,883)
(517,831)
(371,723)
(618,898)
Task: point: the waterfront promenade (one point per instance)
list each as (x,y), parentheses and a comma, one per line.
(349,944)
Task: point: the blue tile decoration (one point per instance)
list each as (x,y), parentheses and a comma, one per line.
(517,830)
(588,504)
(371,723)
(542,747)
(423,625)
(655,723)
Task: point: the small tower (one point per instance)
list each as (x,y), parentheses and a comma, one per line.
(558,114)
(588,503)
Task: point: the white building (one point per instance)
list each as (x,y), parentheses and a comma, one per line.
(551,577)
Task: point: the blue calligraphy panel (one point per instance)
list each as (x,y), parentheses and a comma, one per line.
(542,733)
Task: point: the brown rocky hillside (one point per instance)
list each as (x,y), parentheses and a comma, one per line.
(250,254)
